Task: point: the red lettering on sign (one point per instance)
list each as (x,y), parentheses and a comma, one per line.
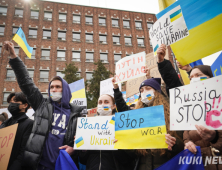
(1,156)
(143,69)
(140,58)
(118,77)
(130,73)
(2,145)
(137,70)
(128,61)
(123,75)
(9,138)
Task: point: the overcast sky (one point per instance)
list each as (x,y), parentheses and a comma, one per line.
(146,6)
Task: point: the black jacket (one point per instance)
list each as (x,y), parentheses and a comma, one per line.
(21,137)
(43,116)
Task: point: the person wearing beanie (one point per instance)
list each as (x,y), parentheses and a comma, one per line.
(3,117)
(150,92)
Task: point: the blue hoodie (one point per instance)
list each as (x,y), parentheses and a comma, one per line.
(58,129)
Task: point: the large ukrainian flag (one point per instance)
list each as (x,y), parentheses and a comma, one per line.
(20,39)
(204,22)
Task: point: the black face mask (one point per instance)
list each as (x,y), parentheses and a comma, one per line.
(13,108)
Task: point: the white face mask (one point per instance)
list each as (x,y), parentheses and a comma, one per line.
(104,110)
(197,79)
(56,96)
(147,97)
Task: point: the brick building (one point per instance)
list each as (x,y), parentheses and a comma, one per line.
(62,33)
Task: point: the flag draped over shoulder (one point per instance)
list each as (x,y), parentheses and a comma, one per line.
(185,160)
(20,39)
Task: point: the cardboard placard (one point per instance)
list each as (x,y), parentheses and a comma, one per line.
(198,103)
(7,137)
(132,86)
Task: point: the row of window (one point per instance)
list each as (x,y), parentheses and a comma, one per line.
(76,18)
(76,36)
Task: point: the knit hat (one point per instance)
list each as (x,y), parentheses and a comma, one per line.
(153,82)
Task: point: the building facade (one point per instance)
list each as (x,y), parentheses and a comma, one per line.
(65,33)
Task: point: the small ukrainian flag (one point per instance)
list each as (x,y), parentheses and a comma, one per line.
(174,16)
(79,142)
(20,39)
(155,49)
(112,121)
(149,97)
(106,108)
(203,78)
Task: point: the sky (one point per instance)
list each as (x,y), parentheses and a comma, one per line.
(146,6)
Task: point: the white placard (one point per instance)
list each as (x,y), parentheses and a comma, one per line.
(95,133)
(106,87)
(170,28)
(198,103)
(130,67)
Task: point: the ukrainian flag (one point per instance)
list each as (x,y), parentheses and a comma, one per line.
(20,39)
(112,121)
(175,15)
(203,20)
(155,50)
(79,142)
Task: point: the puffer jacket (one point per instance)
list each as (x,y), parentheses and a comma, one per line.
(43,116)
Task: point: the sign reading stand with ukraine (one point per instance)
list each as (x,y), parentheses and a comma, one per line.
(141,128)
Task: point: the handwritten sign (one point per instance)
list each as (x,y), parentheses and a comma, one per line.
(170,28)
(130,67)
(132,86)
(92,112)
(7,137)
(141,128)
(198,103)
(216,67)
(95,133)
(106,87)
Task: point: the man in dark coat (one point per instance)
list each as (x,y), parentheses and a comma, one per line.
(18,106)
(55,118)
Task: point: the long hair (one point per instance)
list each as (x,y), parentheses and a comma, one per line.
(159,99)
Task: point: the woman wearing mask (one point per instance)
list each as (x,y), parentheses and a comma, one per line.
(152,158)
(106,159)
(210,141)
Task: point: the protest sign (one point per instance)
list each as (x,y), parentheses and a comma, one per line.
(130,67)
(132,99)
(92,112)
(216,67)
(132,86)
(95,133)
(7,137)
(106,87)
(168,29)
(141,128)
(196,104)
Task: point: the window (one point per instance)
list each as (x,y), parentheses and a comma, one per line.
(128,41)
(89,37)
(45,54)
(117,57)
(34,14)
(33,54)
(10,75)
(0,51)
(61,35)
(89,76)
(102,39)
(6,94)
(89,20)
(76,56)
(76,37)
(89,57)
(76,19)
(2,30)
(151,43)
(140,42)
(48,16)
(149,25)
(32,33)
(104,57)
(31,73)
(126,24)
(19,13)
(138,25)
(128,54)
(3,10)
(59,73)
(78,74)
(46,34)
(44,75)
(61,55)
(14,30)
(115,23)
(102,21)
(16,50)
(62,17)
(116,40)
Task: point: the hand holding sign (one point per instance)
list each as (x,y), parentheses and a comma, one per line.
(205,134)
(187,67)
(170,140)
(161,52)
(115,86)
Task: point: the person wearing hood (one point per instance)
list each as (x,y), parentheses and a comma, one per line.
(55,118)
(18,106)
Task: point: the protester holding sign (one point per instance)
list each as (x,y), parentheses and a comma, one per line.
(150,91)
(18,106)
(55,118)
(202,137)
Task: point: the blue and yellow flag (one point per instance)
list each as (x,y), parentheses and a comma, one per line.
(155,50)
(20,39)
(174,16)
(112,121)
(79,142)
